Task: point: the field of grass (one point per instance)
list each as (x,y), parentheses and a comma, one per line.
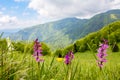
(22,66)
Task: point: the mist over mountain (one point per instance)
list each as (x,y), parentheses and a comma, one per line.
(7,32)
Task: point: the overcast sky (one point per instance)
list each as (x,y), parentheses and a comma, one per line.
(24,13)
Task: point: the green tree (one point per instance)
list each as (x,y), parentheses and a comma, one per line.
(45,49)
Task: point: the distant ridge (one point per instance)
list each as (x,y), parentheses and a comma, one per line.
(63,32)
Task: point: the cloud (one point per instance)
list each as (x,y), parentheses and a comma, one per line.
(50,10)
(72,8)
(6,21)
(12,22)
(115,4)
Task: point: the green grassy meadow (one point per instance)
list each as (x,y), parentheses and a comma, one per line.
(22,66)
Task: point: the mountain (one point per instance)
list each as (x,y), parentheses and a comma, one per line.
(110,32)
(7,32)
(53,32)
(63,32)
(100,20)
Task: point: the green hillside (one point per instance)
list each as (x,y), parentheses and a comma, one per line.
(110,32)
(61,33)
(53,32)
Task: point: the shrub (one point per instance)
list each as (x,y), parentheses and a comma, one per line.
(115,48)
(45,49)
(18,46)
(3,44)
(59,52)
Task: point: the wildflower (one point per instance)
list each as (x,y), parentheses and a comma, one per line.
(37,51)
(102,53)
(68,58)
(59,59)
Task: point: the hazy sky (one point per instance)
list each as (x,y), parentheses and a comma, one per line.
(24,13)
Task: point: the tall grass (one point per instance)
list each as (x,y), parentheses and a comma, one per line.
(17,66)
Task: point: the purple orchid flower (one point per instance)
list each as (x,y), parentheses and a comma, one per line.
(68,58)
(37,51)
(102,53)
